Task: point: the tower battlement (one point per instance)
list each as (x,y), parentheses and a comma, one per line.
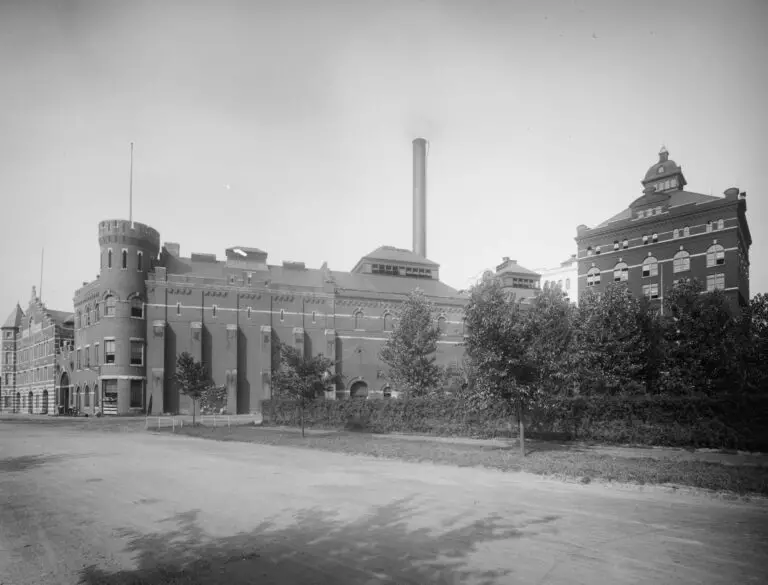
(113,231)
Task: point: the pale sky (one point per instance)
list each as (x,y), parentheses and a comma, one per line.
(287,125)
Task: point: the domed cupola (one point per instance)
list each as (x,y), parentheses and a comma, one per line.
(665,175)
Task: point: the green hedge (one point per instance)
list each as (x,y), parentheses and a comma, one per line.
(730,422)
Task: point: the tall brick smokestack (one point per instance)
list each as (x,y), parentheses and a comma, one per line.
(420,197)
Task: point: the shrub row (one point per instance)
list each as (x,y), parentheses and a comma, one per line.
(725,422)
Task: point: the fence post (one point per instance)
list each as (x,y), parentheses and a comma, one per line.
(228,423)
(173,420)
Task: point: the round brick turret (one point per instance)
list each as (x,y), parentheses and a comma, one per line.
(110,319)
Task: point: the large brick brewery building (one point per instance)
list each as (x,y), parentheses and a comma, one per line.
(669,234)
(149,304)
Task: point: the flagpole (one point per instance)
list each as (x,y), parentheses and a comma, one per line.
(42,258)
(130,191)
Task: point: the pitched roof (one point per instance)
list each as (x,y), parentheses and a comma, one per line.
(392,254)
(676,198)
(512,267)
(60,317)
(14,319)
(356,281)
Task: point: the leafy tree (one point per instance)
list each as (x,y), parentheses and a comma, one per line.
(754,325)
(549,335)
(702,339)
(192,380)
(495,348)
(303,378)
(411,347)
(609,342)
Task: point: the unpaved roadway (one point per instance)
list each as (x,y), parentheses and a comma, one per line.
(116,508)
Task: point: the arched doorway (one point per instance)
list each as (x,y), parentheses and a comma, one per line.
(63,393)
(77,399)
(45,402)
(358,389)
(37,402)
(96,395)
(29,402)
(87,397)
(17,402)
(386,391)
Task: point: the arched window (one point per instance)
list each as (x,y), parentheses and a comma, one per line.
(78,319)
(597,250)
(139,261)
(441,325)
(681,262)
(86,397)
(567,284)
(715,255)
(87,316)
(178,308)
(589,250)
(621,272)
(137,307)
(282,315)
(96,395)
(214,310)
(109,306)
(709,225)
(655,238)
(314,317)
(645,239)
(615,244)
(593,276)
(96,315)
(720,224)
(675,233)
(650,267)
(387,322)
(109,258)
(686,231)
(358,319)
(625,243)
(125,259)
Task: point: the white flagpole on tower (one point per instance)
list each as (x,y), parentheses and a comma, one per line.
(130,191)
(42,258)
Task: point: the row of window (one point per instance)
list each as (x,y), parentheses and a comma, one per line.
(681,262)
(88,315)
(654,238)
(559,283)
(136,356)
(124,259)
(35,352)
(395,270)
(41,374)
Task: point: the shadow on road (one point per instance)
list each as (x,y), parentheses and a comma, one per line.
(317,548)
(26,462)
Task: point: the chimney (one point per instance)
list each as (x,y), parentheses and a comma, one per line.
(420,197)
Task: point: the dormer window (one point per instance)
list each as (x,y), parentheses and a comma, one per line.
(589,250)
(625,243)
(645,239)
(615,244)
(655,238)
(597,250)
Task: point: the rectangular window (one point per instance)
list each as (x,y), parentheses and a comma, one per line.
(136,393)
(125,259)
(96,354)
(248,312)
(77,354)
(109,351)
(178,308)
(681,264)
(87,356)
(137,353)
(139,261)
(650,269)
(655,238)
(214,308)
(250,278)
(651,290)
(137,308)
(715,282)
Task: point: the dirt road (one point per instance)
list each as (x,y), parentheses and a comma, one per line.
(113,508)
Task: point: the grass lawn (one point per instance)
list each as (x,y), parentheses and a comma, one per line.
(561,463)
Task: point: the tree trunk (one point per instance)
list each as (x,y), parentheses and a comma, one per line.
(522,425)
(301,408)
(194,404)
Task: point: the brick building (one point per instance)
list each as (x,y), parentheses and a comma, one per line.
(524,283)
(29,368)
(148,304)
(669,234)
